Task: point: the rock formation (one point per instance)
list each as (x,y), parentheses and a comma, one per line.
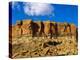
(29,38)
(45,28)
(26,27)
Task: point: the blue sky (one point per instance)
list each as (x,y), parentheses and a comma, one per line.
(43,12)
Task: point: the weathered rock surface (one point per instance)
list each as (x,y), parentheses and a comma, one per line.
(45,28)
(33,39)
(26,27)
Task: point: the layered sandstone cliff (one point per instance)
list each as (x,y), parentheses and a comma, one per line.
(39,28)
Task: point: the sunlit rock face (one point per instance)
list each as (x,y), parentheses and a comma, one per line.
(15,31)
(45,28)
(29,38)
(61,27)
(52,28)
(73,29)
(26,27)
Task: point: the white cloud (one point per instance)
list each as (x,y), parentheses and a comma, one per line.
(38,9)
(15,5)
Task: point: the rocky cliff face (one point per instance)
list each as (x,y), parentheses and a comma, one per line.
(45,28)
(29,38)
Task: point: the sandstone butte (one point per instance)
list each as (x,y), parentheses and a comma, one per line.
(41,28)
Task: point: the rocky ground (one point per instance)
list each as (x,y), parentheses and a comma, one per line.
(26,46)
